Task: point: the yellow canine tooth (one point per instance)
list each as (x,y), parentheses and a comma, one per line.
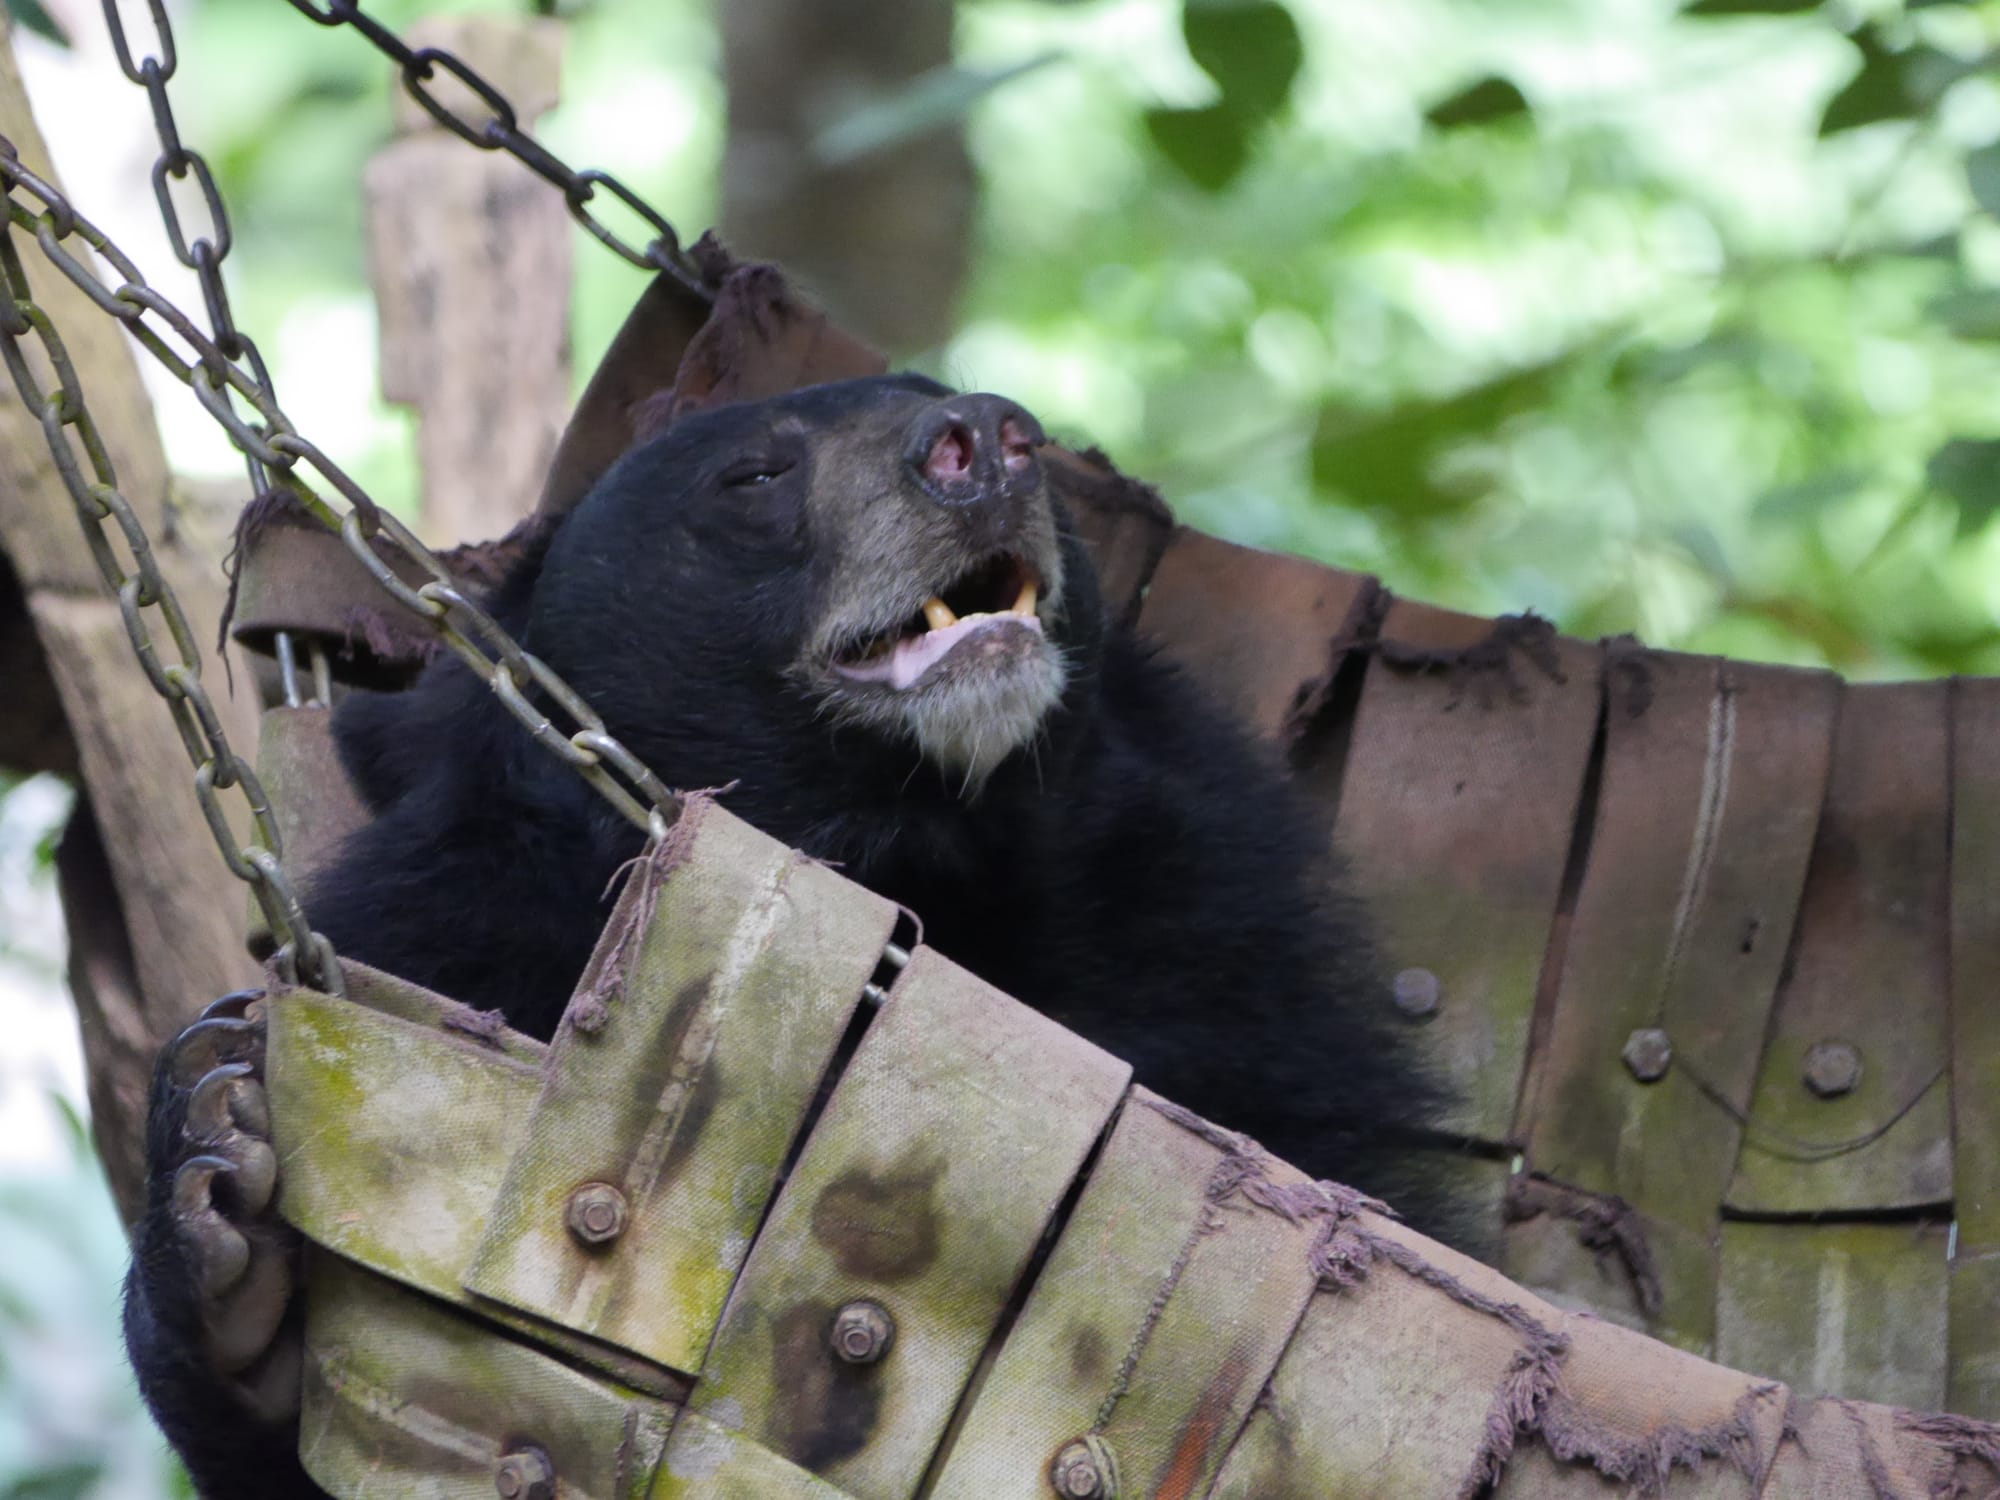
(1025,605)
(939,614)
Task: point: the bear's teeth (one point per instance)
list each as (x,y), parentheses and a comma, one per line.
(939,614)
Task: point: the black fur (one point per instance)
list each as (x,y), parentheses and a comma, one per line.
(1143,873)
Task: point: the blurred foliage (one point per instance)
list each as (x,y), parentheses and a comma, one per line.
(1682,318)
(1675,320)
(71,1426)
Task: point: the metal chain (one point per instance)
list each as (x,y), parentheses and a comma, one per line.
(224,363)
(500,130)
(134,578)
(519,679)
(202,253)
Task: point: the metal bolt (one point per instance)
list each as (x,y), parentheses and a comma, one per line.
(1648,1054)
(1084,1471)
(1416,993)
(1832,1069)
(862,1332)
(597,1213)
(525,1474)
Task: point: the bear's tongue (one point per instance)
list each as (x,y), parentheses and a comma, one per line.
(913,655)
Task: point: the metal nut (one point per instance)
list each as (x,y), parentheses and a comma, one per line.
(525,1474)
(1832,1069)
(1648,1054)
(1085,1470)
(597,1213)
(1416,992)
(862,1332)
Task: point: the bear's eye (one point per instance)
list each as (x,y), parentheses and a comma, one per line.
(754,471)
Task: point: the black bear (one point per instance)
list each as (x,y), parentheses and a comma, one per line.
(858,608)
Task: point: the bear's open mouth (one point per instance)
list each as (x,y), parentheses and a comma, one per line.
(997,593)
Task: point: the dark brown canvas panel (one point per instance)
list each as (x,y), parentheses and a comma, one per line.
(1972,1365)
(1263,632)
(1975,960)
(641,362)
(1713,774)
(1853,1310)
(1125,524)
(313,803)
(1596,1253)
(762,340)
(1850,1112)
(1462,784)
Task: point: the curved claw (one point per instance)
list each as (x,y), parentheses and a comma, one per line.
(211,1113)
(208,1045)
(221,1254)
(217,1111)
(230,1007)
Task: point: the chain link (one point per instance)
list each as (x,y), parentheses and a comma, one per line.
(221,365)
(203,251)
(132,574)
(529,689)
(500,130)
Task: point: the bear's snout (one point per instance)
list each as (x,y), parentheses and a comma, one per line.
(975,450)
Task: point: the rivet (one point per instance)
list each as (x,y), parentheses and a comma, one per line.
(1832,1069)
(1416,993)
(862,1332)
(1085,1470)
(525,1474)
(597,1213)
(1648,1054)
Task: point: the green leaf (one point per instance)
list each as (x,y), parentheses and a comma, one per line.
(64,1481)
(1209,146)
(1972,314)
(1878,92)
(1750,7)
(931,101)
(1966,471)
(1648,365)
(33,17)
(1492,98)
(1251,48)
(1809,497)
(1386,460)
(1982,170)
(75,1123)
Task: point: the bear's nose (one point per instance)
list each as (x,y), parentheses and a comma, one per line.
(973,449)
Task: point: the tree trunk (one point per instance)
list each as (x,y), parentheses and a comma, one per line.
(469,254)
(155,919)
(880,241)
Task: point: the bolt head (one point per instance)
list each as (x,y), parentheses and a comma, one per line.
(1416,992)
(862,1332)
(1077,1475)
(1648,1054)
(1832,1069)
(597,1213)
(525,1474)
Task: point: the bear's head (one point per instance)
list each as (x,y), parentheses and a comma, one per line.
(874,564)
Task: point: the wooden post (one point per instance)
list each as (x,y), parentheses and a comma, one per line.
(470,256)
(155,919)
